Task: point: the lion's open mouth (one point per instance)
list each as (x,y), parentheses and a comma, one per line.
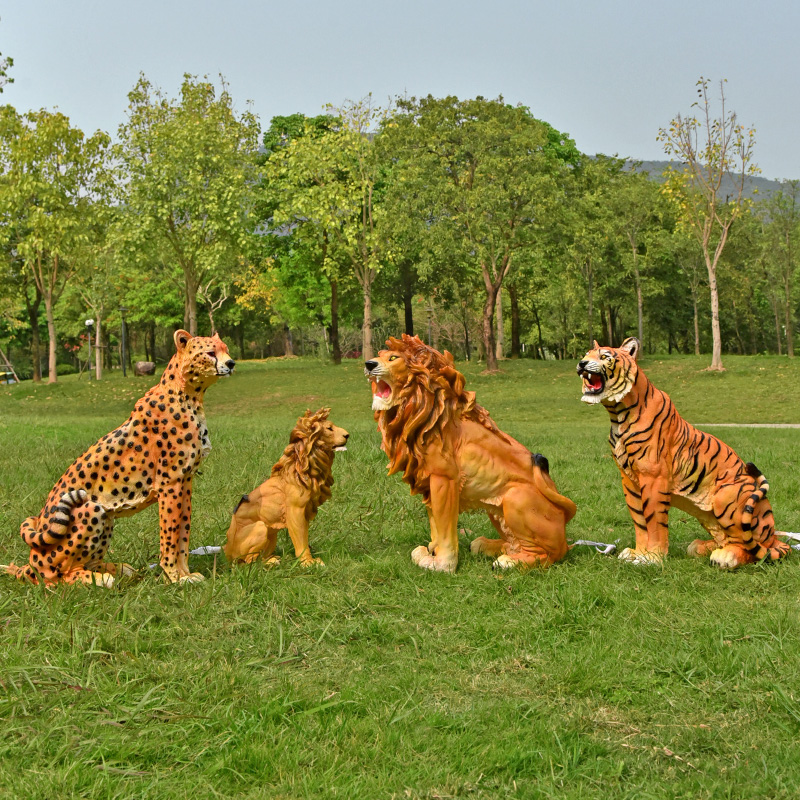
(593,382)
(383,390)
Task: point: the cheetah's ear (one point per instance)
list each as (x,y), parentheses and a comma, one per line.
(631,346)
(181,340)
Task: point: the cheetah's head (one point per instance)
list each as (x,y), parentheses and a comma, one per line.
(203,359)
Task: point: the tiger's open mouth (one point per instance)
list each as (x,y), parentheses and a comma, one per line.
(593,383)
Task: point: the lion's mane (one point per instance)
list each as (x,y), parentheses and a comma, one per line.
(307,460)
(432,398)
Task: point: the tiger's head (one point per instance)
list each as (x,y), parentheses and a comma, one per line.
(609,373)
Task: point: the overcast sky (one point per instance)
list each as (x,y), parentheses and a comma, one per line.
(609,73)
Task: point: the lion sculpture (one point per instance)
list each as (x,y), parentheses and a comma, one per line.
(299,484)
(450,451)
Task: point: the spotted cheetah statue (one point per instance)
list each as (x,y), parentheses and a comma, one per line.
(152,457)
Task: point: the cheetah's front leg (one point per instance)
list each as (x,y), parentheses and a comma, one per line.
(175,516)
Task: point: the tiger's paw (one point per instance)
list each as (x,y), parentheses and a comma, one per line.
(641,557)
(423,559)
(731,556)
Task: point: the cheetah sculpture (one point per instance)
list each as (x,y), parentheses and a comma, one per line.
(152,457)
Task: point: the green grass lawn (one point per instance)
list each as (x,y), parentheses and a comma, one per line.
(370,678)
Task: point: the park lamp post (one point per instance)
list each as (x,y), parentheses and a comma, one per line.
(123,311)
(89,323)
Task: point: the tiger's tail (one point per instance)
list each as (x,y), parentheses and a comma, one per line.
(544,483)
(761,489)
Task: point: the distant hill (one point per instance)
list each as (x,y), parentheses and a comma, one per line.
(764,186)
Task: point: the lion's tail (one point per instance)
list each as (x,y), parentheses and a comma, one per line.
(544,483)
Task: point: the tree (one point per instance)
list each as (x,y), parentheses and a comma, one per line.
(712,150)
(298,252)
(188,167)
(635,209)
(780,216)
(51,176)
(482,171)
(328,182)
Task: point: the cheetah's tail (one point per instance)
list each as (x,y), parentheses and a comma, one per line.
(57,526)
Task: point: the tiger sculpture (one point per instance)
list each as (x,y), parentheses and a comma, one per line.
(665,461)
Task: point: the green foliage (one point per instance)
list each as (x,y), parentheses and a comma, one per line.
(187,171)
(480,174)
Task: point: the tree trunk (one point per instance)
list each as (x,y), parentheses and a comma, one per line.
(501,337)
(488,329)
(408,297)
(789,325)
(514,300)
(590,315)
(409,311)
(52,375)
(716,336)
(240,339)
(333,330)
(36,342)
(540,343)
(98,348)
(610,326)
(190,312)
(366,330)
(639,301)
(288,345)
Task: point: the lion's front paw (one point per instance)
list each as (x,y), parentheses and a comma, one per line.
(505,562)
(641,557)
(439,563)
(701,547)
(312,562)
(488,547)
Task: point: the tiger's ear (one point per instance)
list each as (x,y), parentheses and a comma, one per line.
(181,339)
(631,346)
(595,345)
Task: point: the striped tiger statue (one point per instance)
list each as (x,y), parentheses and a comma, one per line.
(665,461)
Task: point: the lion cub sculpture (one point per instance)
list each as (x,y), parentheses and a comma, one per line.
(152,457)
(451,452)
(665,461)
(299,484)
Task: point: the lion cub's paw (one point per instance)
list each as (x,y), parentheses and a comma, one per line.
(104,579)
(192,577)
(422,558)
(641,558)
